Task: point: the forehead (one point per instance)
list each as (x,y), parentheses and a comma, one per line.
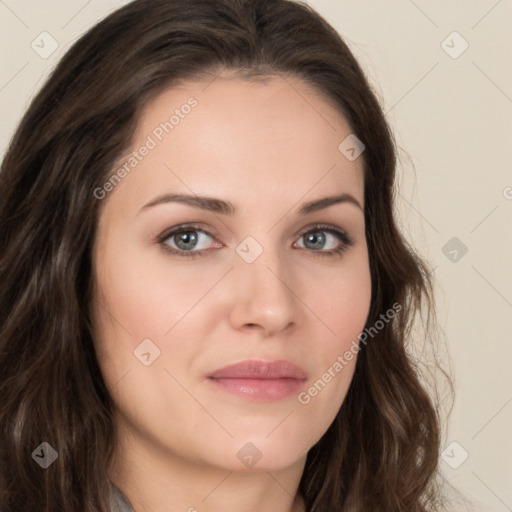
(267,139)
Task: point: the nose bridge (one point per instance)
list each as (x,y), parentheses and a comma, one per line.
(262,269)
(264,287)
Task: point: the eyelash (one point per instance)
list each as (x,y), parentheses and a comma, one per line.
(341,235)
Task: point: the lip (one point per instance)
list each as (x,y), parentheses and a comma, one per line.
(260,380)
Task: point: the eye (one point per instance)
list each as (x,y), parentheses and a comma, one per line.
(186,240)
(325,240)
(191,241)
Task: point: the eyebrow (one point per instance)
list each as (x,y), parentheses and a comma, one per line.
(212,204)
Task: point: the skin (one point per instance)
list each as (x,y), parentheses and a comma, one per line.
(267,147)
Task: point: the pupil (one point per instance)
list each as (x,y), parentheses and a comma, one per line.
(187,237)
(316,240)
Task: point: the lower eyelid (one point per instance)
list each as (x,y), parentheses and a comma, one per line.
(344,239)
(171,235)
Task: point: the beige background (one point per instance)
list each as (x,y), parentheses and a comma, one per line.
(452,114)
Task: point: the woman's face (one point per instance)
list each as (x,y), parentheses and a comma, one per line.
(251,277)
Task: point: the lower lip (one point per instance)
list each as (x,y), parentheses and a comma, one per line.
(265,390)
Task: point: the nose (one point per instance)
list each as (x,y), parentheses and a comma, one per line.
(263,295)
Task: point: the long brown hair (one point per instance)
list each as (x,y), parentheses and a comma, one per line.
(381,452)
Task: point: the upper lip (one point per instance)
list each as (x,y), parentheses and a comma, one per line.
(254,369)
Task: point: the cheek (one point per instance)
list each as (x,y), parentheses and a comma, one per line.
(148,296)
(345,305)
(137,304)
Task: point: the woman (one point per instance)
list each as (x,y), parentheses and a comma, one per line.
(205,300)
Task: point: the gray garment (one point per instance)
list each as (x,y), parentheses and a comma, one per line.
(119,501)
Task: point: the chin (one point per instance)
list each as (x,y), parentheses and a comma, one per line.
(260,453)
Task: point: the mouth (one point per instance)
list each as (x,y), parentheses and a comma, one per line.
(260,380)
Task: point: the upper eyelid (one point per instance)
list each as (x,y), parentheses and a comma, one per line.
(212,233)
(186,227)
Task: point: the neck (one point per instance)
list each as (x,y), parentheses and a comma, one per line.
(156,481)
